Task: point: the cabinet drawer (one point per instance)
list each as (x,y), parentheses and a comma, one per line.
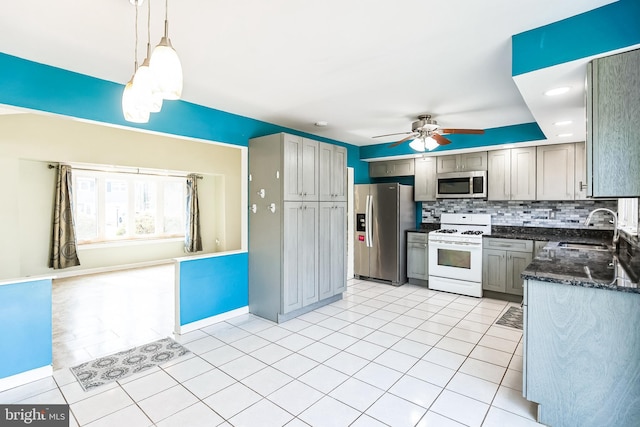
(508,244)
(417,237)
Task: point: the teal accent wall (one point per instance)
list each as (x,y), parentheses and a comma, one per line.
(212,286)
(25,326)
(610,27)
(36,86)
(494,136)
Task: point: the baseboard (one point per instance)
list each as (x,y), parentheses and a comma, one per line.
(25,377)
(189,327)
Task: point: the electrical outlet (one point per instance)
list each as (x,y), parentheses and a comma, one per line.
(552,215)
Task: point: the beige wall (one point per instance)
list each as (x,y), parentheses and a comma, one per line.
(29,142)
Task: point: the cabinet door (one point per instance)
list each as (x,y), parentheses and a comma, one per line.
(339,174)
(447,164)
(523,173)
(378,169)
(292,179)
(517,262)
(309,172)
(417,267)
(556,172)
(473,161)
(425,180)
(308,256)
(402,167)
(325,166)
(498,175)
(325,289)
(494,270)
(339,248)
(614,140)
(580,180)
(291,284)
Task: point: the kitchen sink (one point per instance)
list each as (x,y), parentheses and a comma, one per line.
(587,246)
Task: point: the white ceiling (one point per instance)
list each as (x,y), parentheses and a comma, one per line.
(366,67)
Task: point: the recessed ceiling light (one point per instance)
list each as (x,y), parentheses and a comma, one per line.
(564,135)
(563,123)
(557,91)
(321,123)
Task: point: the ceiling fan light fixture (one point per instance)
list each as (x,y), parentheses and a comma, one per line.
(430,143)
(418,145)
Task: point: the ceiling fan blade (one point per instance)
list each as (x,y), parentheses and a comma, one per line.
(441,140)
(395,144)
(391,134)
(462,131)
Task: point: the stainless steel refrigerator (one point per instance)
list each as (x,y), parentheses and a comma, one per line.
(383,213)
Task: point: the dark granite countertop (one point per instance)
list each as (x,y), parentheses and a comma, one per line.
(581,267)
(573,235)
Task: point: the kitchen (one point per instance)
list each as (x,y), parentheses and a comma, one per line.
(515,210)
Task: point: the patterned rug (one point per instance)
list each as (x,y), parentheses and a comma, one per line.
(120,365)
(512,318)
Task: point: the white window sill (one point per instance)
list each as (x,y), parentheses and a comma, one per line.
(122,243)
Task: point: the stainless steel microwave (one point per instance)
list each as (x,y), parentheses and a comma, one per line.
(461,185)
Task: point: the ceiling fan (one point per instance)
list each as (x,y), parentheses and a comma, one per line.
(427,134)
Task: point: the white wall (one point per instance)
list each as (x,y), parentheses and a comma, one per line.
(28,143)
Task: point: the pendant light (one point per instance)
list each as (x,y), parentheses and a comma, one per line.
(133,105)
(165,64)
(144,80)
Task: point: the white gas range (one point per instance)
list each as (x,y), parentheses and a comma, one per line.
(455,253)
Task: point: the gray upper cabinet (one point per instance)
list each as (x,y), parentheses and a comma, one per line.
(556,172)
(301,157)
(476,161)
(403,167)
(580,180)
(425,180)
(333,173)
(613,133)
(512,174)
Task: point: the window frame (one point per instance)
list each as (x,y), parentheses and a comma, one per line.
(628,215)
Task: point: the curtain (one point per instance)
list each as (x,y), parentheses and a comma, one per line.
(63,242)
(192,236)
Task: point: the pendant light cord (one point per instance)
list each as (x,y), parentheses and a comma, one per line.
(135,61)
(149,29)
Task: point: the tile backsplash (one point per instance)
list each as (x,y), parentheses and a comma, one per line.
(560,214)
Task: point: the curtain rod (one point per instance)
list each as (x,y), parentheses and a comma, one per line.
(50,166)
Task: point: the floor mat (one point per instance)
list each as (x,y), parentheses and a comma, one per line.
(122,364)
(512,318)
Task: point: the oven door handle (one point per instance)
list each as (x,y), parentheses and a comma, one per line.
(444,243)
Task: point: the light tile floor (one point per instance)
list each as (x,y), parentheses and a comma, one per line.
(396,356)
(99,314)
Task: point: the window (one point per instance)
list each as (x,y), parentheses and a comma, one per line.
(628,215)
(118,206)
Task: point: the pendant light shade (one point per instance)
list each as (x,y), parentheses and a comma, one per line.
(134,106)
(166,65)
(145,84)
(430,143)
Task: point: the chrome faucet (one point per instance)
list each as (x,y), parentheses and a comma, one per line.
(616,236)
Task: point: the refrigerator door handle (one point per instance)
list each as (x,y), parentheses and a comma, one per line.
(369,221)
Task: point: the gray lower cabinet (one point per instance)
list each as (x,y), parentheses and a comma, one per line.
(613,134)
(417,256)
(300,278)
(332,262)
(581,348)
(503,260)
